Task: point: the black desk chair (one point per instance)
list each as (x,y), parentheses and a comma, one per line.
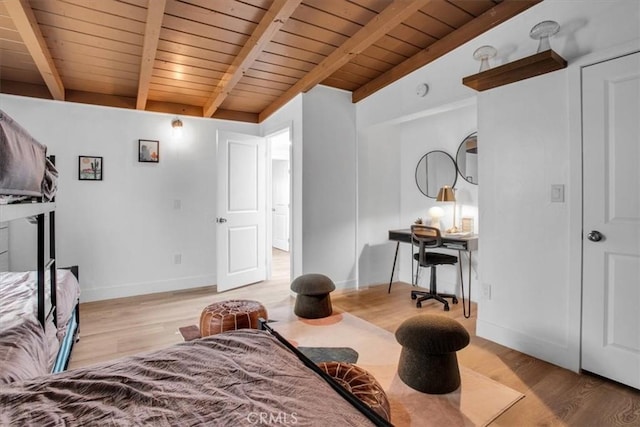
(424,237)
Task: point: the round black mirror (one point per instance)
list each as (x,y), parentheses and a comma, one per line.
(467,158)
(435,170)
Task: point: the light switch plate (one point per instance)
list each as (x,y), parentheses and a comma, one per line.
(557,193)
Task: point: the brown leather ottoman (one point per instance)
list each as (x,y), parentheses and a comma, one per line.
(361,384)
(428,361)
(231,315)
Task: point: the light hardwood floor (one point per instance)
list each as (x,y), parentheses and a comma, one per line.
(553,396)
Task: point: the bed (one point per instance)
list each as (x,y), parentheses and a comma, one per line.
(238,378)
(38,309)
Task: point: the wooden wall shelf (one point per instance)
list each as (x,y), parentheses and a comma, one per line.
(531,66)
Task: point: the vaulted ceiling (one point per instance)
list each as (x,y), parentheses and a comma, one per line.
(232,59)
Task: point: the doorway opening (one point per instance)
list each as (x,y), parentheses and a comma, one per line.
(279,196)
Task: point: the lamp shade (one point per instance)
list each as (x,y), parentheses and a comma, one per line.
(446,194)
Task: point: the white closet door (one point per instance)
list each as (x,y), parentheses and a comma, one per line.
(611,244)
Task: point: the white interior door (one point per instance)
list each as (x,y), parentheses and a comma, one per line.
(611,259)
(241,210)
(280,198)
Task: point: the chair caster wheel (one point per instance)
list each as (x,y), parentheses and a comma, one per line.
(414,296)
(454,300)
(446,307)
(419,304)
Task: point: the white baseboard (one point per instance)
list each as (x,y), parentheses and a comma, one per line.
(134,289)
(548,351)
(347,284)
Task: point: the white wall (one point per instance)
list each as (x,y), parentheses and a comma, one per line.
(527,254)
(124,231)
(329,185)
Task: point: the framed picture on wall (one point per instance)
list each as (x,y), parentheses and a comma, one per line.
(90,168)
(148,151)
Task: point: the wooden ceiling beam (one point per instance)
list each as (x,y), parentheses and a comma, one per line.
(155,14)
(270,24)
(489,19)
(392,16)
(27,26)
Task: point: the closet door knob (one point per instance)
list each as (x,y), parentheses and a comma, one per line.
(221,220)
(595,236)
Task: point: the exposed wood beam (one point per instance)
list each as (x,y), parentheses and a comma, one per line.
(27,26)
(270,24)
(155,13)
(494,16)
(379,26)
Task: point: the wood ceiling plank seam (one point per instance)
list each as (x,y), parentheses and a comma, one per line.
(181,71)
(270,24)
(270,84)
(385,55)
(89,54)
(411,36)
(277,70)
(302,43)
(286,61)
(174,36)
(15,46)
(348,10)
(11,56)
(427,24)
(61,36)
(155,15)
(88,15)
(311,32)
(261,90)
(178,90)
(448,13)
(106,89)
(327,21)
(295,53)
(198,29)
(191,61)
(353,73)
(474,7)
(98,70)
(11,35)
(196,52)
(156,95)
(185,77)
(27,25)
(338,83)
(491,18)
(111,7)
(100,84)
(25,89)
(394,44)
(170,82)
(238,9)
(389,18)
(7,23)
(90,28)
(277,78)
(210,17)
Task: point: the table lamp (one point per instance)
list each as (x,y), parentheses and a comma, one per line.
(446,194)
(436,213)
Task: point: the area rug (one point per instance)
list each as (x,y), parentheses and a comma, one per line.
(478,401)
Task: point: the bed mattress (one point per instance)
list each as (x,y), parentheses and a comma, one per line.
(239,378)
(20,331)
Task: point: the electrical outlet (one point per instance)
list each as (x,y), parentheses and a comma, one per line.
(177,259)
(486,291)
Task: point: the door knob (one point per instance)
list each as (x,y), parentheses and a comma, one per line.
(221,220)
(595,236)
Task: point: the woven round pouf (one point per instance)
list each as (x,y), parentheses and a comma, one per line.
(361,384)
(231,315)
(428,361)
(313,300)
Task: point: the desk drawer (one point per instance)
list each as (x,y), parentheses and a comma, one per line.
(460,246)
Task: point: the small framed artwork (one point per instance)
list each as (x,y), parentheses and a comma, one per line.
(90,168)
(148,151)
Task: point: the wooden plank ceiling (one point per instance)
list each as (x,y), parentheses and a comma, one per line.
(232,59)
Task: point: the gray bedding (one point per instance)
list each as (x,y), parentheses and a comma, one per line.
(232,379)
(24,167)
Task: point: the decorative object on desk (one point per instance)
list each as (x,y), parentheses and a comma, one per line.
(467,224)
(418,221)
(90,168)
(148,151)
(446,194)
(467,158)
(435,170)
(542,31)
(484,54)
(436,213)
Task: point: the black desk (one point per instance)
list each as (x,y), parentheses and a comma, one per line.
(461,244)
